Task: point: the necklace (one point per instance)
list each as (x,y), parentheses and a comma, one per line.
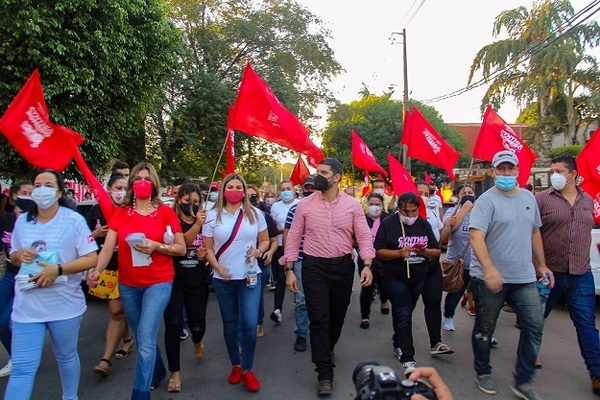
(148,211)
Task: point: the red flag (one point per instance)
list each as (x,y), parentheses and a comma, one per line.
(428,179)
(26,125)
(312,162)
(401,179)
(362,157)
(425,144)
(257,112)
(496,135)
(588,162)
(300,172)
(366,186)
(104,201)
(593,189)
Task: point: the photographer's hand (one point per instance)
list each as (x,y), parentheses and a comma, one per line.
(435,380)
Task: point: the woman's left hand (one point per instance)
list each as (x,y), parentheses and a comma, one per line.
(147,248)
(47,276)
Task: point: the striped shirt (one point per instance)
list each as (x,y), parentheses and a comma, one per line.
(288,225)
(328,228)
(566,231)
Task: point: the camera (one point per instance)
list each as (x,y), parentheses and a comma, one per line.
(378,382)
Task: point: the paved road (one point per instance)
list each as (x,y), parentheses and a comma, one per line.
(285,374)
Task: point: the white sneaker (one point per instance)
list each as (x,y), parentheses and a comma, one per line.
(449,324)
(409,367)
(7,369)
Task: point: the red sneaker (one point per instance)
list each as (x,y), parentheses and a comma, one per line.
(463,301)
(471,311)
(235,376)
(252,384)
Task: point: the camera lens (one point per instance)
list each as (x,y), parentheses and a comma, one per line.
(362,374)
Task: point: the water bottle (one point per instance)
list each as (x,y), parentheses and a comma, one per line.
(543,286)
(168,236)
(251,275)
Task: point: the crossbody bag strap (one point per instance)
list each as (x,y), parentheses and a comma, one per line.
(234,231)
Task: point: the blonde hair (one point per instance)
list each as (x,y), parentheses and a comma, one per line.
(249,210)
(154,197)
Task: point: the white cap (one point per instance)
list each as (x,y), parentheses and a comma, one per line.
(505,156)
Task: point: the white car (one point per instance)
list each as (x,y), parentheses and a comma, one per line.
(595,258)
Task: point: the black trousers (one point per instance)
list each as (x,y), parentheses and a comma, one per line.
(327,289)
(366,292)
(279,276)
(432,300)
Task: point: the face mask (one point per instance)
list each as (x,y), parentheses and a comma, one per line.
(286,196)
(69,196)
(212,196)
(118,197)
(44,196)
(270,200)
(374,211)
(322,183)
(379,191)
(467,197)
(306,194)
(189,209)
(408,220)
(254,199)
(142,189)
(506,183)
(558,181)
(233,196)
(25,203)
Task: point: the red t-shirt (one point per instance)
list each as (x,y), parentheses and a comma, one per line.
(125,221)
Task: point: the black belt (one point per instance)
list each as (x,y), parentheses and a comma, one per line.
(331,260)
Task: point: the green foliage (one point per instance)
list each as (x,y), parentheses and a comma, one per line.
(378,121)
(101,62)
(572,150)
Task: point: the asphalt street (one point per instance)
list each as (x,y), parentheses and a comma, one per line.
(285,374)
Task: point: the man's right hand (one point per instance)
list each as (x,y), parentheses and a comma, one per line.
(291,281)
(493,279)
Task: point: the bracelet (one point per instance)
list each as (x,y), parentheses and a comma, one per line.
(288,269)
(164,248)
(60,270)
(368,266)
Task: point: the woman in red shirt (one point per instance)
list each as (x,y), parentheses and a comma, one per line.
(145,267)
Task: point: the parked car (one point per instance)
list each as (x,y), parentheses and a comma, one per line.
(595,258)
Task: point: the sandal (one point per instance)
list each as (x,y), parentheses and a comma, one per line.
(121,354)
(364,323)
(103,367)
(174,386)
(441,348)
(385,309)
(199,350)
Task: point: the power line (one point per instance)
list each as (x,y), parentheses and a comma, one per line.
(415,13)
(410,9)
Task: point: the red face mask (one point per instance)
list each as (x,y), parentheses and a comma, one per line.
(233,196)
(142,189)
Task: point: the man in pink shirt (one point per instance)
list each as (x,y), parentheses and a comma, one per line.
(329,220)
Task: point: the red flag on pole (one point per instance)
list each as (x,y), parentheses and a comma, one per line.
(425,144)
(312,162)
(401,179)
(428,179)
(593,189)
(588,161)
(26,125)
(258,112)
(230,148)
(362,157)
(104,201)
(496,135)
(300,172)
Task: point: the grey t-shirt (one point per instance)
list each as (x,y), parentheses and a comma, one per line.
(508,222)
(459,239)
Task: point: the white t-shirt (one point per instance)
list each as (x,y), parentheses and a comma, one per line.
(279,212)
(435,222)
(68,235)
(234,258)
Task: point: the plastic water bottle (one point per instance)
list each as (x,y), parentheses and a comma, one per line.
(543,286)
(168,236)
(251,275)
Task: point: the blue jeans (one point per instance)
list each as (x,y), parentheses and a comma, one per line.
(27,347)
(579,291)
(452,299)
(144,309)
(403,296)
(7,297)
(300,311)
(266,271)
(239,310)
(525,301)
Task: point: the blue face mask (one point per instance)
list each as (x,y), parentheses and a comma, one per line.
(506,183)
(212,196)
(286,196)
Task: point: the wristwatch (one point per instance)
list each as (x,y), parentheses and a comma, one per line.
(369,266)
(60,271)
(286,269)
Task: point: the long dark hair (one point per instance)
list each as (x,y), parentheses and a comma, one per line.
(60,182)
(184,190)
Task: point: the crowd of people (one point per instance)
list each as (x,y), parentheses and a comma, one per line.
(156,263)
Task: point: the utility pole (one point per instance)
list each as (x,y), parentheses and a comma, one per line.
(406,106)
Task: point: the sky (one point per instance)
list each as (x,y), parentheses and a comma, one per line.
(442,40)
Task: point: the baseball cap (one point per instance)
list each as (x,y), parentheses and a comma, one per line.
(214,186)
(505,156)
(309,180)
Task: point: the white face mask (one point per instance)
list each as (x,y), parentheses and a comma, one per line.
(44,196)
(558,181)
(374,211)
(379,191)
(118,197)
(270,200)
(408,220)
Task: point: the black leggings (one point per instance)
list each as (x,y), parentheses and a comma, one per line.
(432,300)
(279,276)
(366,292)
(193,293)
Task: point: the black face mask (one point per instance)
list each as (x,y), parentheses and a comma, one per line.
(307,193)
(322,183)
(187,208)
(466,198)
(254,199)
(25,204)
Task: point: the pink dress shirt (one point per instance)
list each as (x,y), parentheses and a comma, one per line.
(328,228)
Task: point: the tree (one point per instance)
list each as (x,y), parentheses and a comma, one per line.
(378,121)
(543,60)
(101,64)
(287,46)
